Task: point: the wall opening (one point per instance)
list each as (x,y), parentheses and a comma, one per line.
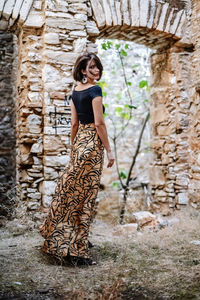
(126,86)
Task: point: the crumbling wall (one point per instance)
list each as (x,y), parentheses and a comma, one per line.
(194,135)
(170,119)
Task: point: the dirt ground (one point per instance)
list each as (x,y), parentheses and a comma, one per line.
(147,264)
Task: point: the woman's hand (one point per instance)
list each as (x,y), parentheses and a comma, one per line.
(110,158)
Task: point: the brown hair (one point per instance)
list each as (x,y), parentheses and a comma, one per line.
(81,64)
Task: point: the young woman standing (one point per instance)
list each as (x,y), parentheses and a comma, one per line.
(66,227)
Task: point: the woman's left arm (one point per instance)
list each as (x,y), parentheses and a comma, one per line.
(74,121)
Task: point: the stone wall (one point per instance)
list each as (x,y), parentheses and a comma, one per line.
(194,134)
(29,117)
(51,34)
(47,56)
(8,52)
(170,94)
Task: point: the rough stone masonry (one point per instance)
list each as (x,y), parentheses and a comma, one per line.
(50,34)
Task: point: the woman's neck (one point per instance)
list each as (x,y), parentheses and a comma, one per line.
(88,83)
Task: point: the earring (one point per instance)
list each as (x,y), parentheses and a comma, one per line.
(84,80)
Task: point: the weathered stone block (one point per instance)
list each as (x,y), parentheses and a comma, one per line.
(50,173)
(59,57)
(37,4)
(48,187)
(53,144)
(164,130)
(92,28)
(46,200)
(52,38)
(32,17)
(35,97)
(30,190)
(56,161)
(144,9)
(77,33)
(35,174)
(159,114)
(156,175)
(194,184)
(78,7)
(34,123)
(135,13)
(50,74)
(182,198)
(37,147)
(98,13)
(32,205)
(82,17)
(36,196)
(143,217)
(157,143)
(182,181)
(79,45)
(160,193)
(64,23)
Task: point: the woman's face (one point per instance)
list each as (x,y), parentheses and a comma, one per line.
(92,72)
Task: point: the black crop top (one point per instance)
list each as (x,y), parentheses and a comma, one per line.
(83,103)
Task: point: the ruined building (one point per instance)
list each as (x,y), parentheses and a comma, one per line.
(39,43)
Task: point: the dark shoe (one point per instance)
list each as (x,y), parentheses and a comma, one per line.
(86,262)
(81,261)
(90,245)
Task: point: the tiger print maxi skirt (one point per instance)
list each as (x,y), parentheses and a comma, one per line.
(72,209)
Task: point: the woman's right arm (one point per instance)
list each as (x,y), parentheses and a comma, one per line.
(101,128)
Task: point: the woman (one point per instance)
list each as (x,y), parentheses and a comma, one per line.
(66,227)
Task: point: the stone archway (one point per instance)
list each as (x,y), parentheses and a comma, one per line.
(158,25)
(48,49)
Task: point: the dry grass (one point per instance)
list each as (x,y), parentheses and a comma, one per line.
(160,264)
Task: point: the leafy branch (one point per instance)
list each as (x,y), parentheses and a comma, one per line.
(123,116)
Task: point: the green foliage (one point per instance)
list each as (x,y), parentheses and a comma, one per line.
(130,106)
(135,66)
(143,83)
(131,84)
(116,184)
(123,174)
(118,109)
(123,52)
(126,46)
(102,84)
(106,45)
(119,95)
(124,98)
(125,116)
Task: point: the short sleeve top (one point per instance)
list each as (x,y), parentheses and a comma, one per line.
(83,103)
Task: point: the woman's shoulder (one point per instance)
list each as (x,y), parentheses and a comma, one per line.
(95,92)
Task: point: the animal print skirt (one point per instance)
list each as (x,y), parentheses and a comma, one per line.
(73,205)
